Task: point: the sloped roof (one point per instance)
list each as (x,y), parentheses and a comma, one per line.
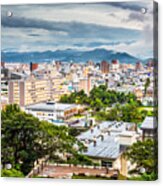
(149,123)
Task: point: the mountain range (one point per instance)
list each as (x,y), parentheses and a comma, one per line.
(68,55)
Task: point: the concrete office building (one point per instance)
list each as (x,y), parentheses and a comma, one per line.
(104,67)
(86,84)
(26,92)
(52,112)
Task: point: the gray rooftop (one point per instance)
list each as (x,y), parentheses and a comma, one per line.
(113,127)
(108,148)
(50,107)
(149,123)
(102,141)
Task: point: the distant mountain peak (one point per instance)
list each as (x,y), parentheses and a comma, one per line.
(67,55)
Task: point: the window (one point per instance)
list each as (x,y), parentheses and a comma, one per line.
(108,164)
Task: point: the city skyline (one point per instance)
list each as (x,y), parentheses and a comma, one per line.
(113,26)
(79,91)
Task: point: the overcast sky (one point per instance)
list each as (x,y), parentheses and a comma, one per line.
(115,26)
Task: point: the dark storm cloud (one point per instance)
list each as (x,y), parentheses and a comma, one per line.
(71,29)
(34,35)
(22,22)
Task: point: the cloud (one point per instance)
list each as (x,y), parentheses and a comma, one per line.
(128,5)
(148,34)
(115,25)
(138,49)
(97,44)
(112,14)
(134,16)
(34,35)
(22,22)
(95,13)
(72,29)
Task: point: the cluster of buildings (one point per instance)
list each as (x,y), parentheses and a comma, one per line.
(27,84)
(37,89)
(106,142)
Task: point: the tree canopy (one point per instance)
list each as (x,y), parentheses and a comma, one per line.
(127,113)
(26,139)
(144,154)
(99,98)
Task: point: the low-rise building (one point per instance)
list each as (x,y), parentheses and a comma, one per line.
(53,112)
(106,143)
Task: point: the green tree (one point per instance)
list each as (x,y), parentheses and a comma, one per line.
(11,173)
(144,154)
(115,113)
(127,113)
(145,177)
(19,138)
(25,139)
(130,113)
(146,85)
(99,98)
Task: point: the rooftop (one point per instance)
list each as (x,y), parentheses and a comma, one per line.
(105,139)
(149,123)
(113,127)
(107,148)
(50,106)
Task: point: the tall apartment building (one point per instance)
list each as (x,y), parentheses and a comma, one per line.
(57,88)
(115,66)
(104,67)
(26,92)
(29,91)
(86,84)
(33,66)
